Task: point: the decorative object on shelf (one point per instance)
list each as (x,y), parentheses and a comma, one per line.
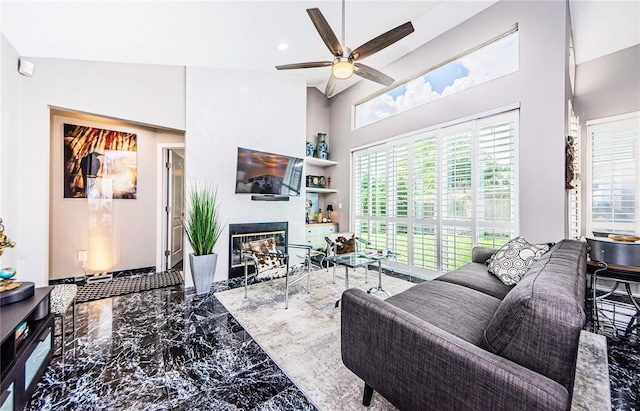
(570,171)
(329,210)
(6,274)
(203,228)
(322,150)
(328,182)
(625,238)
(314,181)
(8,284)
(311,206)
(5,242)
(319,215)
(310,149)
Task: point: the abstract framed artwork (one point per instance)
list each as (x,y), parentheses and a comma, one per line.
(99,163)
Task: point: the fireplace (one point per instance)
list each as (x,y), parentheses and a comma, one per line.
(244,233)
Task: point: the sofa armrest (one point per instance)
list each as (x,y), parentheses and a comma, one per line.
(417,366)
(481,254)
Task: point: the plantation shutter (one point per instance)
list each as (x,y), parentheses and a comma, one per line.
(425,202)
(398,201)
(378,183)
(614,176)
(398,181)
(456,198)
(370,195)
(496,194)
(361,191)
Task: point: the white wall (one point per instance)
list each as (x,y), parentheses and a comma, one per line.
(539,87)
(231,109)
(9,149)
(133,238)
(142,94)
(608,86)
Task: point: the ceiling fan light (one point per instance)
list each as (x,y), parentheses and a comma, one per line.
(342,69)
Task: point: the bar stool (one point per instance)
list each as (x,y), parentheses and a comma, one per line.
(62,297)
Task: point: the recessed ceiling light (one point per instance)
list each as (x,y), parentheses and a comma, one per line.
(283,46)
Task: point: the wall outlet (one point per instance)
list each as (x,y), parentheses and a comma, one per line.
(82,255)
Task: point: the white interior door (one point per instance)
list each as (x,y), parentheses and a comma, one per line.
(175,209)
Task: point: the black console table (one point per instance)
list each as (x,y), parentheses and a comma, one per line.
(26,328)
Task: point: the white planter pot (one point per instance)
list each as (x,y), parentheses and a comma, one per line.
(203,267)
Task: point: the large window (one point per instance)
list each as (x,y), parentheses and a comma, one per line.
(433,195)
(487,62)
(613,156)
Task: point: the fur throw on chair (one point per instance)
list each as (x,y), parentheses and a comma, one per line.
(344,245)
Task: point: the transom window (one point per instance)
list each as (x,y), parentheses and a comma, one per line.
(433,195)
(492,60)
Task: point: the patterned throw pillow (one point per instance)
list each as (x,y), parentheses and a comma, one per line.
(511,262)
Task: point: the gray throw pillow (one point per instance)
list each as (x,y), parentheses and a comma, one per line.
(511,262)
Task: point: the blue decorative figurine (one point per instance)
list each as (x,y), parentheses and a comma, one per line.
(310,149)
(322,151)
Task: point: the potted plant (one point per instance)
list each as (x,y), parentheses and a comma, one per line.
(203,228)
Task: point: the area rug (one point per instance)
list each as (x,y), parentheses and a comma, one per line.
(304,340)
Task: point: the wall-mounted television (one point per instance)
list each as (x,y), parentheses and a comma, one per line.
(264,173)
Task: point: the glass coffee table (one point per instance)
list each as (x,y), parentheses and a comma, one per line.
(361,259)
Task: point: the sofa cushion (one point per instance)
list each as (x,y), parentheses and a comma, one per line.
(538,323)
(476,277)
(481,254)
(512,261)
(458,310)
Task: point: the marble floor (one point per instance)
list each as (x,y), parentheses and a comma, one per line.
(162,350)
(166,350)
(619,322)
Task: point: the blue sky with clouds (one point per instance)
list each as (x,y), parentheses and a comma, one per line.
(490,62)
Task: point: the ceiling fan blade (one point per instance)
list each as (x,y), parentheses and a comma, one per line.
(382,41)
(372,74)
(331,87)
(328,36)
(304,65)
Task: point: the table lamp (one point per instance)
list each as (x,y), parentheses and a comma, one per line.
(329,210)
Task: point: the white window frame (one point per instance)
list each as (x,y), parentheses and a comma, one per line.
(634,116)
(510,113)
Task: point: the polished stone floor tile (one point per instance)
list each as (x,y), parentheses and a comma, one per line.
(620,323)
(160,350)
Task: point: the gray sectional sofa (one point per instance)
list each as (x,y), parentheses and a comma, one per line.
(466,341)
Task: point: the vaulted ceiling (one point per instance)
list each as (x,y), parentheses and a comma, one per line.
(246,35)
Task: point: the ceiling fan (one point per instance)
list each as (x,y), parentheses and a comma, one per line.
(346,61)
